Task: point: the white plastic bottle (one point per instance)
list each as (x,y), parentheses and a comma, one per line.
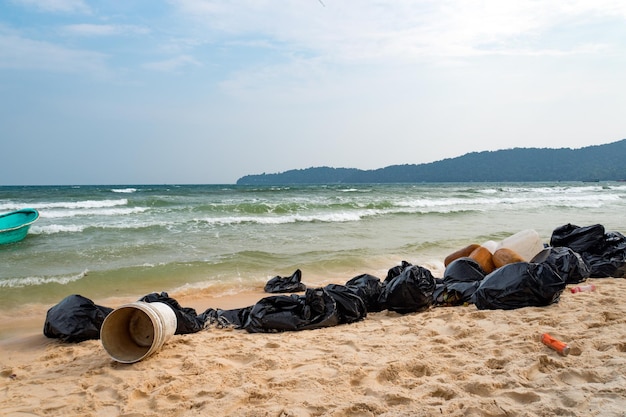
(584,288)
(526,244)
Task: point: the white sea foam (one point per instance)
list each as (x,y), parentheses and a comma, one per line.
(124,190)
(55,214)
(9,206)
(565,189)
(56,228)
(85,204)
(292,218)
(34,281)
(591,200)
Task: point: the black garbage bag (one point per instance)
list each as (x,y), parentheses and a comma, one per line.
(75,319)
(564,261)
(235,317)
(460,280)
(280,284)
(350,306)
(518,285)
(445,297)
(408,292)
(187,320)
(396,270)
(611,259)
(315,309)
(368,287)
(579,239)
(604,253)
(463,270)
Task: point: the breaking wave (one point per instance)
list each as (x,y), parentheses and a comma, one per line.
(37,281)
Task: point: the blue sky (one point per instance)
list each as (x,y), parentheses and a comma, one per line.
(200,91)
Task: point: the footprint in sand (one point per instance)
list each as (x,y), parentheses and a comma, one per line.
(442,392)
(547,365)
(481,388)
(523,397)
(496,364)
(573,377)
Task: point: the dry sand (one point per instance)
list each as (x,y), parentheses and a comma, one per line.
(450,361)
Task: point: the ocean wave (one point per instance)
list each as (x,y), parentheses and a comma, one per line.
(9,206)
(332,217)
(336,217)
(567,189)
(356,212)
(55,214)
(355,190)
(56,228)
(124,190)
(85,204)
(536,190)
(79,228)
(35,281)
(549,199)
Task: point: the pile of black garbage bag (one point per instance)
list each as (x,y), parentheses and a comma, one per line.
(574,254)
(77,318)
(604,252)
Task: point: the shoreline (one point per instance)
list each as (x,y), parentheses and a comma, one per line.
(457,361)
(28,319)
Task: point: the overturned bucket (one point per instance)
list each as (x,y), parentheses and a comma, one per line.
(134,331)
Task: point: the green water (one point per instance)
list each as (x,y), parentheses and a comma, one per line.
(103,241)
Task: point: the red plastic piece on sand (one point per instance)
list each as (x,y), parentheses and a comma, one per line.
(561,347)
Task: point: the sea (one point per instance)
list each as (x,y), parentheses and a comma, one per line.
(126,241)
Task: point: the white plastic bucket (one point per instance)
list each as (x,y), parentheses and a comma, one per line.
(134,331)
(526,244)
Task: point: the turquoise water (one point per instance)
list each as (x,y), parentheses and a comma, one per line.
(104,241)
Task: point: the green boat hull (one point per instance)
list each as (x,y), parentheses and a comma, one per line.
(14,226)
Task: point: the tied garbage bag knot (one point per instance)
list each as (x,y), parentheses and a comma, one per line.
(290,284)
(409,292)
(75,319)
(461,278)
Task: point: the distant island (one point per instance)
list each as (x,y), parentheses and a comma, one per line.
(592,163)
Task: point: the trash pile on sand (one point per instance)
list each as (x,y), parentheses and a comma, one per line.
(520,271)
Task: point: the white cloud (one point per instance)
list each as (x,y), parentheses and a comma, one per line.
(319,51)
(20,53)
(173,64)
(86,29)
(406,30)
(56,6)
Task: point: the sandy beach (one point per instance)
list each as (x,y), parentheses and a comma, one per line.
(452,361)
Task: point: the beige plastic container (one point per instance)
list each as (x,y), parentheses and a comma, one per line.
(134,331)
(526,244)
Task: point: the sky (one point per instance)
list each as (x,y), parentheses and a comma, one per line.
(205,92)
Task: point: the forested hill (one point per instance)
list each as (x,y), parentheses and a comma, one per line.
(602,162)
